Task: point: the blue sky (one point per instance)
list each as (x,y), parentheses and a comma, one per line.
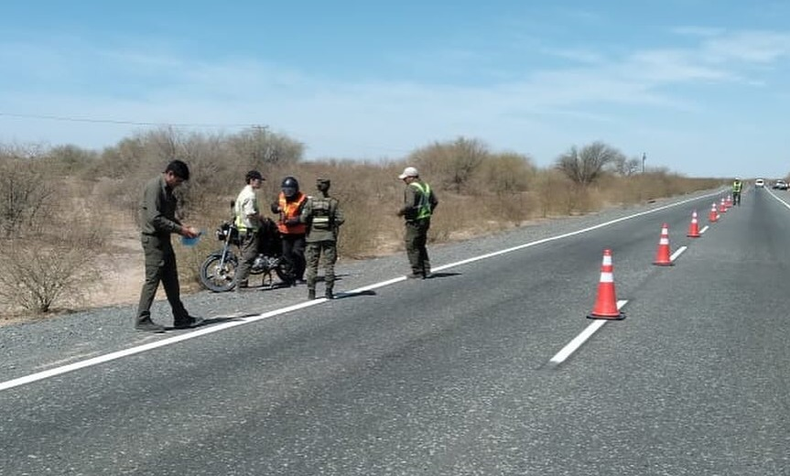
(700,86)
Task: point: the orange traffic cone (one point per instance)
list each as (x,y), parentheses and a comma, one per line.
(662,256)
(728,203)
(606,302)
(713,217)
(694,227)
(722,206)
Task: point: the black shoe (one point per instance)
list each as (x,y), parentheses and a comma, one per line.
(328,294)
(427,275)
(188,323)
(149,326)
(414,276)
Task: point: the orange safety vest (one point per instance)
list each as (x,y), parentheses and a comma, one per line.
(290,210)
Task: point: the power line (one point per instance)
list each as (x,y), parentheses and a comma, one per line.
(123,122)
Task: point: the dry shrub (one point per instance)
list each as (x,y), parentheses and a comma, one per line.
(43,271)
(26,193)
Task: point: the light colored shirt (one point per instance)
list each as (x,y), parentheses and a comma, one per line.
(247,211)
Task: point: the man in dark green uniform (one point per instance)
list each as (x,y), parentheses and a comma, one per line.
(419,202)
(158,218)
(323,217)
(737,187)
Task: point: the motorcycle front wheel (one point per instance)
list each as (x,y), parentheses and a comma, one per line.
(219,276)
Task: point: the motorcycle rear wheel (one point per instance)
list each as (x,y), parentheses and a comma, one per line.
(217,276)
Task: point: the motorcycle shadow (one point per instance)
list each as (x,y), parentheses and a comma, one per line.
(344,295)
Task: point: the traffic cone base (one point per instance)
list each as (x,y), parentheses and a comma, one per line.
(612,317)
(606,303)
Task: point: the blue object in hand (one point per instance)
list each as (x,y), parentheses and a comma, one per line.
(186,241)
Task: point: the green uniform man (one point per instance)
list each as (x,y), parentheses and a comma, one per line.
(737,187)
(323,217)
(419,202)
(158,218)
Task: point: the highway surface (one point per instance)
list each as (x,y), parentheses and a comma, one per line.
(490,368)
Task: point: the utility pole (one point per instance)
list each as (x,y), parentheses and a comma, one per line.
(644,157)
(258,153)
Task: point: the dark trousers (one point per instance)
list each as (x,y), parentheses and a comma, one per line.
(250,242)
(416,238)
(315,250)
(293,252)
(160,266)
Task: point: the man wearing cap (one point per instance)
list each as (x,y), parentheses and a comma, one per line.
(158,217)
(419,202)
(248,222)
(323,217)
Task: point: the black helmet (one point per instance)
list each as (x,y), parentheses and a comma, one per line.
(290,187)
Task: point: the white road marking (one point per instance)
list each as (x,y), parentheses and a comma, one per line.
(53,372)
(580,339)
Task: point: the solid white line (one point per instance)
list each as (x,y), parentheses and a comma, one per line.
(580,339)
(248,319)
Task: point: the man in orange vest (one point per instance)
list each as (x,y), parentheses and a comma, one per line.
(289,206)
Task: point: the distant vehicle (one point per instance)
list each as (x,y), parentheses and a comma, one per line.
(759,183)
(780,185)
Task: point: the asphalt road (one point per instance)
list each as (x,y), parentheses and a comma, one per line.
(456,375)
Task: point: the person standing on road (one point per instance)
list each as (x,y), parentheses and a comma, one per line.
(419,203)
(323,217)
(737,187)
(289,206)
(158,218)
(248,221)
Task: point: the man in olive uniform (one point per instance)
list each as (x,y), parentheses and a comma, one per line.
(158,218)
(323,217)
(419,202)
(737,187)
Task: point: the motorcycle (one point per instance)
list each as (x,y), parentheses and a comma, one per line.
(218,271)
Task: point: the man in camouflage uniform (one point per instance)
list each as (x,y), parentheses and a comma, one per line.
(323,217)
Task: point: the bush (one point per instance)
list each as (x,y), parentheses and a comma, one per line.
(37,274)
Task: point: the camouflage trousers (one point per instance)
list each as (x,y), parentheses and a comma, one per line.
(313,256)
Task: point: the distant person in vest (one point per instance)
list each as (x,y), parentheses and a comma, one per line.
(289,206)
(737,187)
(248,221)
(323,217)
(419,202)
